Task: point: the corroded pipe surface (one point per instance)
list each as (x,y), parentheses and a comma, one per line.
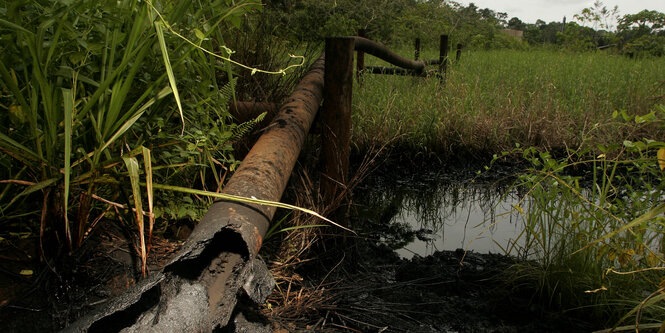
(265,170)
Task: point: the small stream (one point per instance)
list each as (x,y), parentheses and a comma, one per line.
(442,211)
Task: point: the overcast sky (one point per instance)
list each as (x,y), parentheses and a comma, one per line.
(554,10)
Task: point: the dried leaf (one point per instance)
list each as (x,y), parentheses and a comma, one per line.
(661,158)
(27,272)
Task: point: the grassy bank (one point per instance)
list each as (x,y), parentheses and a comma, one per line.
(494,99)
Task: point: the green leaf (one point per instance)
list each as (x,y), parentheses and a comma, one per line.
(169,70)
(133,170)
(121,130)
(661,158)
(37,187)
(235,20)
(19,151)
(147,163)
(199,34)
(68,99)
(15,27)
(660,209)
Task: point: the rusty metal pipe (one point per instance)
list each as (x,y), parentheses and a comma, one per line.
(265,170)
(197,291)
(382,52)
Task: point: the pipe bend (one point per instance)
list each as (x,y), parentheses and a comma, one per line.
(382,52)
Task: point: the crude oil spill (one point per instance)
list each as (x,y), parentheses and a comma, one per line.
(440,211)
(474,220)
(384,286)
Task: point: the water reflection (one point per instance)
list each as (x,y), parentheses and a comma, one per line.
(441,212)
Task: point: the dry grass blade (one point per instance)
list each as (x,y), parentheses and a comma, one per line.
(247,200)
(133,170)
(147,163)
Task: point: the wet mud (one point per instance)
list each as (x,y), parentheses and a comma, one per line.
(448,291)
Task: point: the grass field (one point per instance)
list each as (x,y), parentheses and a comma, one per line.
(491,100)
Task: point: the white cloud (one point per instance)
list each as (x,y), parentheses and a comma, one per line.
(555,10)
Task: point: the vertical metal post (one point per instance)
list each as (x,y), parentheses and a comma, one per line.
(459,52)
(336,115)
(443,56)
(417,46)
(360,58)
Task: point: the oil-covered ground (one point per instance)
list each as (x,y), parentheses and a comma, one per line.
(36,296)
(363,283)
(448,291)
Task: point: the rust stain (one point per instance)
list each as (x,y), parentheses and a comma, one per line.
(265,170)
(259,239)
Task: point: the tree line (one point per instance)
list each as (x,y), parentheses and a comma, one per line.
(400,21)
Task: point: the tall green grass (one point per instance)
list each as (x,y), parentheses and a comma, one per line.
(118,110)
(491,100)
(90,88)
(594,229)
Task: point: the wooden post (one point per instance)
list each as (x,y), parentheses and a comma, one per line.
(360,59)
(443,56)
(459,52)
(336,116)
(417,45)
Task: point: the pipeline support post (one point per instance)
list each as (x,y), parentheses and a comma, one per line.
(417,46)
(336,116)
(360,57)
(443,56)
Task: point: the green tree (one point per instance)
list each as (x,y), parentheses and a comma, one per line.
(542,33)
(645,22)
(576,37)
(516,23)
(643,33)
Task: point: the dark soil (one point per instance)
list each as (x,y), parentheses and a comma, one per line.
(364,286)
(57,294)
(450,291)
(371,290)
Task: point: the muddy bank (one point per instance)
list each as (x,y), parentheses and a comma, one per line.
(363,284)
(450,291)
